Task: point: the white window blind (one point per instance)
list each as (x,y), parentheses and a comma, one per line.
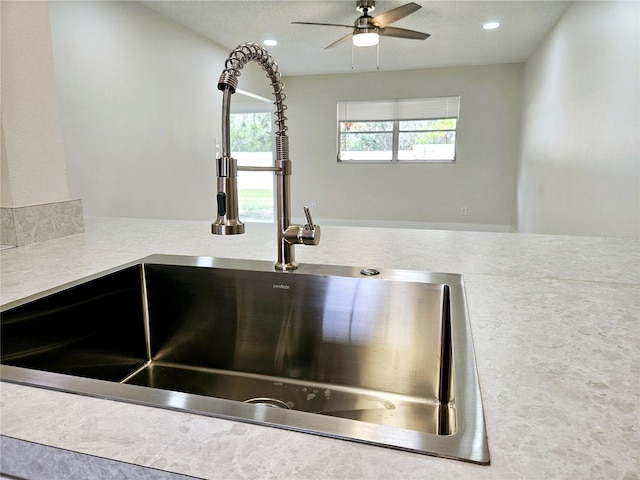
(411,109)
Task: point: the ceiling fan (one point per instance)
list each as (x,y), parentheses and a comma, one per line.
(367,29)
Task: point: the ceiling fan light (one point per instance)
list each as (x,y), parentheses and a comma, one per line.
(366,39)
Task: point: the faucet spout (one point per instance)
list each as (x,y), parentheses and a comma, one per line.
(227,221)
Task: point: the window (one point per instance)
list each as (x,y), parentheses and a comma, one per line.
(417,130)
(251,144)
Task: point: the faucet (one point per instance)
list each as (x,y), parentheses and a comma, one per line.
(227,221)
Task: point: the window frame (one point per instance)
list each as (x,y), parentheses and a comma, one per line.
(396,131)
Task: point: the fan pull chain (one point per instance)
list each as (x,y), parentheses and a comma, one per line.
(377,56)
(352,55)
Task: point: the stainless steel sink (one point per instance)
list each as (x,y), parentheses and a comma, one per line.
(384,358)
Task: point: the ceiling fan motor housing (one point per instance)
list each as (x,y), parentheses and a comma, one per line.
(363,25)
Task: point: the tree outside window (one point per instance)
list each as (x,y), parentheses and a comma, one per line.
(252,144)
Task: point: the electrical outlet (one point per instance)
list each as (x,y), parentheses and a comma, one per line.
(464,211)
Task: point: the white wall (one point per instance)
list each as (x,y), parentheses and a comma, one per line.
(33,157)
(580,160)
(482,179)
(140,109)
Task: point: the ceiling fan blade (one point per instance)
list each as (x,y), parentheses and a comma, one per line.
(403,33)
(346,37)
(325,24)
(394,15)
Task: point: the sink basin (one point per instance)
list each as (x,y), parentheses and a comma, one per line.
(383,358)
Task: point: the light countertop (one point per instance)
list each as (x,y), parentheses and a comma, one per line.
(556,329)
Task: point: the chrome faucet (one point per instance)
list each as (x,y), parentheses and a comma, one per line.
(227,221)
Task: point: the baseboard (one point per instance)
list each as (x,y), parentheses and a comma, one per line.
(39,223)
(472,227)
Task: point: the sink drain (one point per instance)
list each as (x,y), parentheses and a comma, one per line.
(269,402)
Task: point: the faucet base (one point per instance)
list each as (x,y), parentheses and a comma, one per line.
(286,266)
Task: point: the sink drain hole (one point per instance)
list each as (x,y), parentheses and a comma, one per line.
(369,272)
(269,402)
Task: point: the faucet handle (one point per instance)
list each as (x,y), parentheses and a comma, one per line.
(307,214)
(308,234)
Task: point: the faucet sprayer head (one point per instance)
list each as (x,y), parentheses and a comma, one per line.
(227,221)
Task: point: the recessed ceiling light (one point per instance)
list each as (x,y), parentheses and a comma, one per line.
(490,25)
(270,43)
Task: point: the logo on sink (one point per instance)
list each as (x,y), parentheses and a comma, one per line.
(281,286)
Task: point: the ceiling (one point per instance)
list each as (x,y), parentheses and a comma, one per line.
(457,37)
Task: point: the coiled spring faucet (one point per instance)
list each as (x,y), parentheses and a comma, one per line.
(227,221)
